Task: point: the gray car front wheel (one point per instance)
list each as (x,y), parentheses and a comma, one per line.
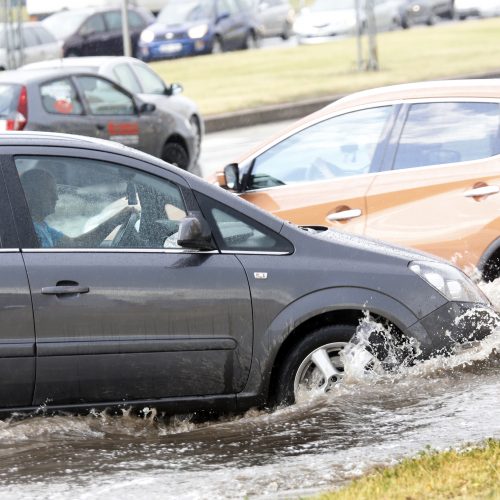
(314,365)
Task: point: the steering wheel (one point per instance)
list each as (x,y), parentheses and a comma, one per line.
(126,229)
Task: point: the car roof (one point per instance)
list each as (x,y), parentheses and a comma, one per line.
(80,62)
(29,75)
(440,89)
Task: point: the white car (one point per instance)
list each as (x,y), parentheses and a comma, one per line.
(37,44)
(481,8)
(327,18)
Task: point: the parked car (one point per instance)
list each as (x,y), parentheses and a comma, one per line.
(96,31)
(415,164)
(184,297)
(191,27)
(84,103)
(275,17)
(325,18)
(424,11)
(138,78)
(37,44)
(479,8)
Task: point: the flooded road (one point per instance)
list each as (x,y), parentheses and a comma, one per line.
(310,447)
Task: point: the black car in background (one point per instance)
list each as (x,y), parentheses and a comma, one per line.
(126,281)
(96,31)
(80,102)
(424,11)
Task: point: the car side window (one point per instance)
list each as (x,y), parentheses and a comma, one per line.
(43,35)
(29,37)
(150,81)
(226,7)
(113,20)
(94,24)
(234,231)
(84,203)
(60,97)
(126,78)
(104,98)
(338,147)
(448,132)
(135,20)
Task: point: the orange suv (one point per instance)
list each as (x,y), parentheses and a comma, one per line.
(415,164)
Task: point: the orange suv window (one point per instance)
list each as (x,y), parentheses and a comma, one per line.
(448,132)
(338,147)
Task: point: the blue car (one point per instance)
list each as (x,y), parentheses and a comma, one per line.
(191,27)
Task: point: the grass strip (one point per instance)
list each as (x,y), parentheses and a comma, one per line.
(248,79)
(473,473)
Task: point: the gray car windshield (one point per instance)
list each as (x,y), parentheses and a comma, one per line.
(180,11)
(64,24)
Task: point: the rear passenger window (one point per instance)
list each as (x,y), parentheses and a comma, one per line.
(448,132)
(60,97)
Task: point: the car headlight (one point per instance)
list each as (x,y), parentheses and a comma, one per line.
(198,31)
(147,36)
(449,281)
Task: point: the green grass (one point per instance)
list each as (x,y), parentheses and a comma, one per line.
(472,474)
(243,80)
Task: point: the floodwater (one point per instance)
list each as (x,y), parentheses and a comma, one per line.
(368,420)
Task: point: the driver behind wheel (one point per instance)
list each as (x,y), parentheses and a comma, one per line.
(41,194)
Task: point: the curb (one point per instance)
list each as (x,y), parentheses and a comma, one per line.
(290,110)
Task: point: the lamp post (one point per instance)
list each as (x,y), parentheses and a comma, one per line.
(127,46)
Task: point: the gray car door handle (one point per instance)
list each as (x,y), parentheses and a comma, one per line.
(482,191)
(64,290)
(345,214)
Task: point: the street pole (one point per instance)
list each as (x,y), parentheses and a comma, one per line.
(359,34)
(127,46)
(372,63)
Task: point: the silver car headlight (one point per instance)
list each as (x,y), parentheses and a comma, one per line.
(449,281)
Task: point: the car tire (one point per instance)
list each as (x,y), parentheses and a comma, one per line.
(252,41)
(175,154)
(298,368)
(287,31)
(217,45)
(405,23)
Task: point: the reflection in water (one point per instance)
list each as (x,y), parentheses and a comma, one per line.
(313,446)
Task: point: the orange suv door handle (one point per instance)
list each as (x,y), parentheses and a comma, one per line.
(482,191)
(344,215)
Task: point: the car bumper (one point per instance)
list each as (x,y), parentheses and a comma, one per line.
(452,325)
(182,47)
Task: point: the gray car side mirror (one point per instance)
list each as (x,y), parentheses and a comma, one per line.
(194,233)
(147,107)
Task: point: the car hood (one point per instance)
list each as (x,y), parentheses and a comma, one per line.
(372,245)
(161,29)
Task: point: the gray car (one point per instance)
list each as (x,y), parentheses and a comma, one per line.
(126,281)
(137,77)
(81,102)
